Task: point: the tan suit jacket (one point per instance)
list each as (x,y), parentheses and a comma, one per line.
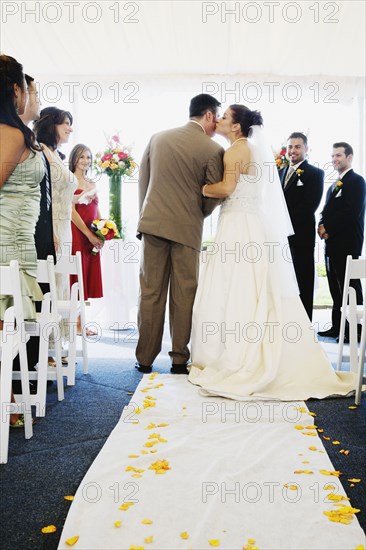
(174,167)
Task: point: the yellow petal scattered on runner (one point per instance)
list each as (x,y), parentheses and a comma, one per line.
(162,425)
(160,466)
(336,498)
(162,440)
(126,505)
(305,462)
(303,472)
(352,407)
(158,385)
(344,452)
(299,427)
(49,529)
(68,497)
(151,426)
(311,427)
(343,514)
(326,438)
(153,375)
(329,487)
(309,433)
(360,546)
(214,542)
(154,436)
(144,452)
(147,521)
(336,473)
(117,523)
(301,409)
(184,408)
(136,475)
(149,540)
(336,442)
(311,414)
(354,480)
(130,393)
(250,545)
(312,448)
(153,451)
(133,456)
(71,541)
(138,410)
(352,485)
(133,547)
(320,430)
(291,487)
(184,535)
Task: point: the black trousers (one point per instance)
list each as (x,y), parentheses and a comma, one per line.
(336,271)
(304,265)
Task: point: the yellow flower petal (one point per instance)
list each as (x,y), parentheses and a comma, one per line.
(71,541)
(148,540)
(354,480)
(117,523)
(184,535)
(299,427)
(303,472)
(336,473)
(312,448)
(49,529)
(133,456)
(214,542)
(68,497)
(352,407)
(336,442)
(147,521)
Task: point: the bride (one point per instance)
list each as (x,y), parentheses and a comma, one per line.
(251,336)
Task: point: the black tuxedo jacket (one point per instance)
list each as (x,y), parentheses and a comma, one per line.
(343,216)
(303,195)
(43,236)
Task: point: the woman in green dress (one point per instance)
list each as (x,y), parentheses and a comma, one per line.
(21,171)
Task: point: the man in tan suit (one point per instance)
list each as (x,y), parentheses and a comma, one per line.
(175,166)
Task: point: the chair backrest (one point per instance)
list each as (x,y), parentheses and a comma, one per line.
(10,285)
(72,265)
(46,274)
(355,269)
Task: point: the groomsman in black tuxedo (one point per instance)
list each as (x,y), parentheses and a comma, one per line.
(342,227)
(303,185)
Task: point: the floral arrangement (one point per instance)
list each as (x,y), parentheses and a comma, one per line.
(105,230)
(116,159)
(280,158)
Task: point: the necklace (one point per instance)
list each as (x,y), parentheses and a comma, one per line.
(239,139)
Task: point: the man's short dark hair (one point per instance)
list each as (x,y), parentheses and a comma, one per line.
(201,104)
(347,148)
(298,135)
(28,79)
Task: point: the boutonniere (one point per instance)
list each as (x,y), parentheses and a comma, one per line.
(299,172)
(338,186)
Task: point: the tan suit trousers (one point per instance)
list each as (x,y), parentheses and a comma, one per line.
(166,265)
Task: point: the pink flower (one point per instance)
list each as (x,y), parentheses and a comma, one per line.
(122,155)
(116,138)
(107,157)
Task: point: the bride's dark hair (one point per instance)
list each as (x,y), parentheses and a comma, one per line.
(246,118)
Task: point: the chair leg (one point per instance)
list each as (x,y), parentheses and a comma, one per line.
(361,365)
(341,340)
(25,397)
(59,370)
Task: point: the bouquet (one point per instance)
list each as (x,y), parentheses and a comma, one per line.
(280,158)
(116,159)
(105,230)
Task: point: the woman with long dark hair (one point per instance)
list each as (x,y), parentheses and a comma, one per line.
(21,171)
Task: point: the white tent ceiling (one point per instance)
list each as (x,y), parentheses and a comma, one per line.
(186,37)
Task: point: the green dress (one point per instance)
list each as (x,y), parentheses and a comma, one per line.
(19,212)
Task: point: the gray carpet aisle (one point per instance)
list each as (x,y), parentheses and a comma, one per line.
(42,470)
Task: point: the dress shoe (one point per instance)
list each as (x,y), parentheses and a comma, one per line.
(330,333)
(179,369)
(143,368)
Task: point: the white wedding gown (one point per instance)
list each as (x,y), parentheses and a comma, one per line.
(250,338)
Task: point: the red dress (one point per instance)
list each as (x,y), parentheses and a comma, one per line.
(92,274)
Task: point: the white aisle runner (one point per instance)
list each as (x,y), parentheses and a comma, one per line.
(238,472)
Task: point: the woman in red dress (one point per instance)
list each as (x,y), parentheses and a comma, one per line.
(84,211)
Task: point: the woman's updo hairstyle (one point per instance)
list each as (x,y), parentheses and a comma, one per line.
(45,127)
(246,118)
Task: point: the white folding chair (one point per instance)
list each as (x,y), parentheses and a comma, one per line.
(10,285)
(70,309)
(355,315)
(47,323)
(8,351)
